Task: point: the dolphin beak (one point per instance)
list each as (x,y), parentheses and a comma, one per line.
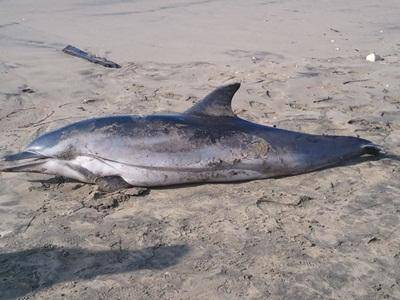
(25,161)
(21,156)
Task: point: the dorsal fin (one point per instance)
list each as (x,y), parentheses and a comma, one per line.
(217,103)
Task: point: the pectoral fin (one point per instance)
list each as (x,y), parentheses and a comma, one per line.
(111,183)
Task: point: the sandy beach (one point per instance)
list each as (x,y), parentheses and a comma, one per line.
(330,234)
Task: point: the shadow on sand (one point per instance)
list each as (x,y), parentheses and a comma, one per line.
(30,270)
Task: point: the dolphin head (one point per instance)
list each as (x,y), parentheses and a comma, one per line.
(49,144)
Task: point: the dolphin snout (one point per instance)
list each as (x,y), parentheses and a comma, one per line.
(21,156)
(24,161)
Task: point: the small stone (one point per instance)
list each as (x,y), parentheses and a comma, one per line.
(372,239)
(86,101)
(254,59)
(372,57)
(97,195)
(27,90)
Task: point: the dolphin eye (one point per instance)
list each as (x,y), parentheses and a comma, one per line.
(68,154)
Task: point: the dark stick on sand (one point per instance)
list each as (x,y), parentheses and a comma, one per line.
(71,50)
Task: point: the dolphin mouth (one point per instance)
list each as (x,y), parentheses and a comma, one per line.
(35,166)
(22,155)
(25,161)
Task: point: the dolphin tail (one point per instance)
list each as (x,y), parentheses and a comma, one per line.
(376,150)
(373,149)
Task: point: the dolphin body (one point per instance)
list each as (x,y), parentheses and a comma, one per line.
(207,143)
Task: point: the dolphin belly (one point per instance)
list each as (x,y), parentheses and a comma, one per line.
(141,177)
(86,169)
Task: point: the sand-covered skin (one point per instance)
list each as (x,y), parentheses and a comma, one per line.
(329,234)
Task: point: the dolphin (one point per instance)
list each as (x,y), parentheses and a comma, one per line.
(206,143)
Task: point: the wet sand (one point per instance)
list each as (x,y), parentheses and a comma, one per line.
(330,234)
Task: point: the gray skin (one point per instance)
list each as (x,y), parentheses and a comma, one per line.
(207,143)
